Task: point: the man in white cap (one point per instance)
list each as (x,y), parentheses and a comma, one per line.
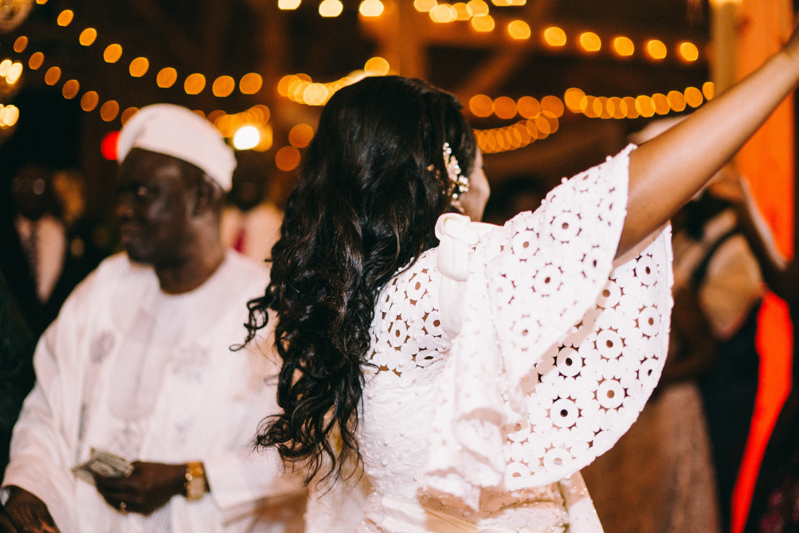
(137,366)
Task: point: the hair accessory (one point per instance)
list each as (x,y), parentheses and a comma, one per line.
(460,182)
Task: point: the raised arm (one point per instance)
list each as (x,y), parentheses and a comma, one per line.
(668,170)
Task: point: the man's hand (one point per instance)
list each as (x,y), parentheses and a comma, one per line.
(150,486)
(26,513)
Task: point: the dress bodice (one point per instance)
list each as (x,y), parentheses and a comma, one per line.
(508,358)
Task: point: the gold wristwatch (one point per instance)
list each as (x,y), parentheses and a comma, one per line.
(195,485)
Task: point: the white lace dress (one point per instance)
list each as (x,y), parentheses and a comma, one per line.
(505,360)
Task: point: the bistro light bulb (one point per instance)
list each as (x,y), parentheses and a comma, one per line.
(246,138)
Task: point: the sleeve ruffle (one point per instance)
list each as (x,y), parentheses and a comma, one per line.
(558,349)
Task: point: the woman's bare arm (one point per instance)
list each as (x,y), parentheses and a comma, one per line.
(668,170)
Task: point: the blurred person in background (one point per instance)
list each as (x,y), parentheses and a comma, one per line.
(775,502)
(138,365)
(251,224)
(50,246)
(714,261)
(16,367)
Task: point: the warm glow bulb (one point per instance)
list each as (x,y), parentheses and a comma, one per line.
(477,7)
(5,65)
(14,72)
(112,53)
(424,6)
(331,8)
(481,105)
(519,29)
(462,11)
(288,4)
(246,138)
(443,13)
(139,67)
(689,52)
(87,37)
(555,36)
(166,77)
(223,86)
(656,49)
(10,115)
(483,23)
(65,18)
(590,41)
(377,66)
(572,97)
(623,46)
(371,8)
(36,61)
(20,44)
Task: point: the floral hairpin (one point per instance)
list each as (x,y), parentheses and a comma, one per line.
(460,182)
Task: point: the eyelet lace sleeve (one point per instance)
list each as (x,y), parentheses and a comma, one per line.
(558,348)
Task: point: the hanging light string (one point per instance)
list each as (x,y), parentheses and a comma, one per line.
(541,117)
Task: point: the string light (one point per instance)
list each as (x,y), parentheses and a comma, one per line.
(246,138)
(87,37)
(70,89)
(656,49)
(424,6)
(14,73)
(139,67)
(36,61)
(223,86)
(519,29)
(251,83)
(483,23)
(288,4)
(20,44)
(112,53)
(590,41)
(109,110)
(301,88)
(8,116)
(555,36)
(331,8)
(52,75)
(541,118)
(688,52)
(287,158)
(194,84)
(89,101)
(623,46)
(371,8)
(443,13)
(301,135)
(166,77)
(65,18)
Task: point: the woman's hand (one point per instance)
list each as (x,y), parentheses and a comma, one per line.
(670,169)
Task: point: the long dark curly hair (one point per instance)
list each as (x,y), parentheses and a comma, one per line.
(372,187)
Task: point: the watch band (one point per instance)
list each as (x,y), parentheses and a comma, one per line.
(195,485)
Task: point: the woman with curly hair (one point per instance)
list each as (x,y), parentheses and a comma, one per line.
(441,375)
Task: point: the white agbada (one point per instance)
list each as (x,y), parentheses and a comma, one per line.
(148,376)
(504,361)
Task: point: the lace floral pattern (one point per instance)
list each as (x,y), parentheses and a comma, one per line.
(557,353)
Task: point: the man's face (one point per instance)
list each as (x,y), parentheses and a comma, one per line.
(154,208)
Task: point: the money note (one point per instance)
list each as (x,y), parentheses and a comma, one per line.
(103,464)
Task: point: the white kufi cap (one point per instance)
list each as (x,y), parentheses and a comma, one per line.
(178,132)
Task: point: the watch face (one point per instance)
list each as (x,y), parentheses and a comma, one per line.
(195,481)
(195,488)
